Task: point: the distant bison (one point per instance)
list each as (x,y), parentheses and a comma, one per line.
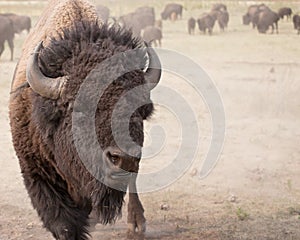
(252,13)
(6,34)
(206,22)
(248,17)
(223,20)
(266,19)
(152,34)
(222,17)
(191,25)
(21,22)
(139,19)
(172,8)
(285,11)
(296,22)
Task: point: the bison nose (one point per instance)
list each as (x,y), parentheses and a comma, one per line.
(117,159)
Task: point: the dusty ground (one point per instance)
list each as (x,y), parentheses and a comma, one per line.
(253,192)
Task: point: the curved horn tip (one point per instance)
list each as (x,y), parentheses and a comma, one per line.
(153,73)
(45,86)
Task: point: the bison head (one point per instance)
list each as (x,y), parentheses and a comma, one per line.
(164,15)
(246,19)
(56,74)
(262,29)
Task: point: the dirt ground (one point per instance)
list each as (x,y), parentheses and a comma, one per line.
(253,192)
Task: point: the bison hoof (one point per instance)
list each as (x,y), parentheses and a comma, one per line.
(137,235)
(136,227)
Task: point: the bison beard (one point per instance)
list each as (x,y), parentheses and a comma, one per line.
(61,189)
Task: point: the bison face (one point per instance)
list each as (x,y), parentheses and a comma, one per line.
(262,28)
(246,19)
(106,136)
(164,16)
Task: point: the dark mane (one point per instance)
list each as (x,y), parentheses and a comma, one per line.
(85,44)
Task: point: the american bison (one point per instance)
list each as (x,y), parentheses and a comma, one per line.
(139,19)
(222,17)
(6,34)
(191,25)
(296,22)
(172,8)
(252,14)
(206,21)
(285,11)
(266,19)
(152,34)
(51,125)
(248,17)
(21,22)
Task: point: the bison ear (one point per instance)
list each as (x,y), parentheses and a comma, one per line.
(153,72)
(42,85)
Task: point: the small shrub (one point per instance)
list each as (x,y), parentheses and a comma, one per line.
(242,214)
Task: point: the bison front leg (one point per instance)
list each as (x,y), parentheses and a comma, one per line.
(272,28)
(210,31)
(1,48)
(11,46)
(57,210)
(135,219)
(276,26)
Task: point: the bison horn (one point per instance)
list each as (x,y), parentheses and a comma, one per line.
(45,86)
(153,72)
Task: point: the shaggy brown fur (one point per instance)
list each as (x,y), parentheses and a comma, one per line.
(60,188)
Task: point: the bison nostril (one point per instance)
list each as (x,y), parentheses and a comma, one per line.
(114,159)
